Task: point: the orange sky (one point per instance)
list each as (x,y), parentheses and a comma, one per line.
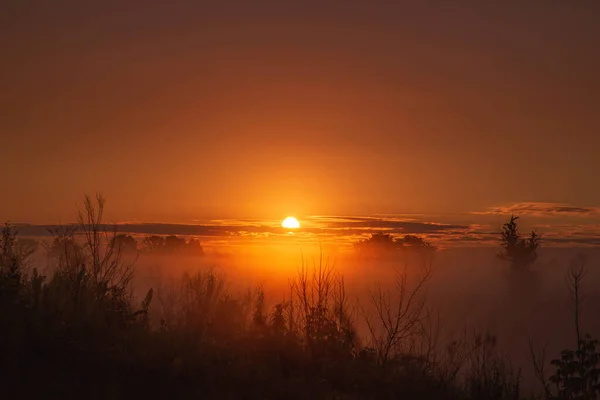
(203,110)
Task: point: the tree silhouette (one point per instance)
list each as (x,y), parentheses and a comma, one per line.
(63,251)
(385,242)
(379,240)
(414,242)
(195,247)
(518,251)
(172,244)
(154,243)
(126,242)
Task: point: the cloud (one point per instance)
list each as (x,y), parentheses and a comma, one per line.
(355,227)
(580,241)
(541,210)
(394,225)
(349,229)
(162,229)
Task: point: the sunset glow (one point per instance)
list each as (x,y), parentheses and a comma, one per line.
(290,223)
(300,199)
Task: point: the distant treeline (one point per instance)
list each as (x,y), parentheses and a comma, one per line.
(127,244)
(162,244)
(385,242)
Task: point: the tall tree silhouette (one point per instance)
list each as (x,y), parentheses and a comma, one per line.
(518,251)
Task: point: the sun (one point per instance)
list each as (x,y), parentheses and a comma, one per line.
(290,223)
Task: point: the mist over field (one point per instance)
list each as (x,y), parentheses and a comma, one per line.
(469,289)
(468,293)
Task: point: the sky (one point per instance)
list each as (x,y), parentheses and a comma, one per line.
(188,111)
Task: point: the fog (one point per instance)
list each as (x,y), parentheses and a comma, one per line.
(468,293)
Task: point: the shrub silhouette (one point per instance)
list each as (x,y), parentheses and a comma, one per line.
(577,372)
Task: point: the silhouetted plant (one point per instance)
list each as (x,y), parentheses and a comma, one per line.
(154,243)
(323,313)
(14,251)
(127,243)
(194,247)
(383,241)
(399,315)
(172,244)
(105,263)
(82,322)
(518,251)
(200,306)
(490,376)
(577,372)
(64,252)
(259,317)
(382,244)
(12,260)
(414,242)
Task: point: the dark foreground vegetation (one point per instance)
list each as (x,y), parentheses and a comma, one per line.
(79,332)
